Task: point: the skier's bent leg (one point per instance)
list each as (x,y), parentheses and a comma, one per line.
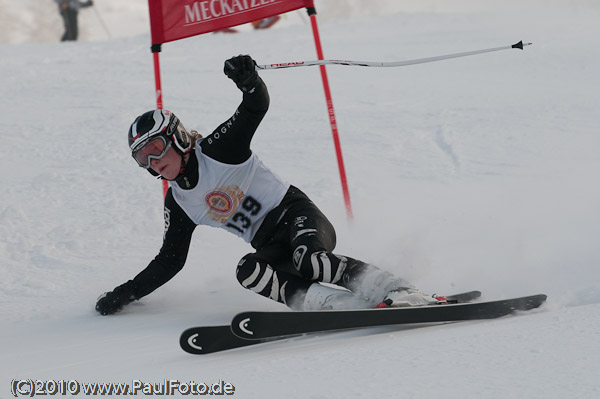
(313,260)
(313,240)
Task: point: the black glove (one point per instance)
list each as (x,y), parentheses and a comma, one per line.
(242,70)
(112,302)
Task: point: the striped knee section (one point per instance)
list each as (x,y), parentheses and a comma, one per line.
(264,281)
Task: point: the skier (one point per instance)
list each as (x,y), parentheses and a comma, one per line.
(218,181)
(68,10)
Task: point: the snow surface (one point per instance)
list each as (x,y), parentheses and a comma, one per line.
(473,173)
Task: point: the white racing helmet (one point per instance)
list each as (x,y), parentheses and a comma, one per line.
(153,133)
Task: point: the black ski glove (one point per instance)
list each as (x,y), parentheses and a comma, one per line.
(112,302)
(242,70)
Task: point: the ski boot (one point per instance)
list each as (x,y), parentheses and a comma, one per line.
(321,297)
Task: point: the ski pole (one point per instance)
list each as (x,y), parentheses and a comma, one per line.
(102,23)
(519,45)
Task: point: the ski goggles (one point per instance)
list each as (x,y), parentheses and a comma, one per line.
(155,148)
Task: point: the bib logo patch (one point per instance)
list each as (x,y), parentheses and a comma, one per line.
(223,202)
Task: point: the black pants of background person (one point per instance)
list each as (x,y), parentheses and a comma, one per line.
(70,19)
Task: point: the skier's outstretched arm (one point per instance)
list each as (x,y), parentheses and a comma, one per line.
(170,260)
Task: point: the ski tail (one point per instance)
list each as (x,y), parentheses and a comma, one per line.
(204,340)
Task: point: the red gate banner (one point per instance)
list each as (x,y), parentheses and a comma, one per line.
(172,20)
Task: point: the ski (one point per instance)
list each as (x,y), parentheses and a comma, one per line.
(204,340)
(260,325)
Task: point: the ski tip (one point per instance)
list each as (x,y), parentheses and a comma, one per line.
(520,45)
(538,300)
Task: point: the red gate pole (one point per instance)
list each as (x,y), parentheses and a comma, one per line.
(332,121)
(159,100)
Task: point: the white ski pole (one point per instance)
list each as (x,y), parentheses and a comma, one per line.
(519,45)
(102,22)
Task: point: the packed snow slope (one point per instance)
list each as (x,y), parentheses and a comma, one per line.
(473,173)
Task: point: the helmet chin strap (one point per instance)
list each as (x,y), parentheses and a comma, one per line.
(181,170)
(183,164)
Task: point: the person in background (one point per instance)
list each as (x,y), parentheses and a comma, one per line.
(265,23)
(68,10)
